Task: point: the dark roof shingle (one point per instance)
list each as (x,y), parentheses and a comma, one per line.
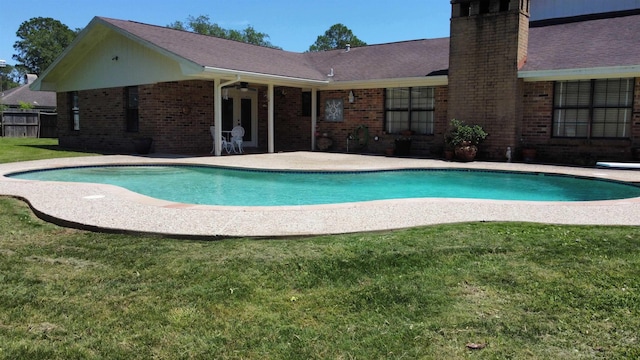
(606,42)
(609,42)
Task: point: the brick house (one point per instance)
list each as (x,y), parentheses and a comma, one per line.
(569,87)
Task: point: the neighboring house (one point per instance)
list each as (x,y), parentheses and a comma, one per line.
(28,113)
(22,97)
(570,87)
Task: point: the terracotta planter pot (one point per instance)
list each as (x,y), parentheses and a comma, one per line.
(466,153)
(142,145)
(448,155)
(528,154)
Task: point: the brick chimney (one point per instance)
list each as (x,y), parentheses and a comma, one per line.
(488,45)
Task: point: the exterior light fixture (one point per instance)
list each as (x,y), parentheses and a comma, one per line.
(352,97)
(244,87)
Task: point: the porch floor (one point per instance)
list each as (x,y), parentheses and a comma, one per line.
(109,208)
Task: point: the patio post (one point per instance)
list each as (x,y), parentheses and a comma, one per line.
(217,115)
(270,121)
(314,117)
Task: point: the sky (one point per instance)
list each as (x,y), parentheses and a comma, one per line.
(293,25)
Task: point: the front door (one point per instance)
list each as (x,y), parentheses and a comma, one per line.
(241,108)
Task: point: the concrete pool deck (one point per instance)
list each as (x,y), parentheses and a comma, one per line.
(110,208)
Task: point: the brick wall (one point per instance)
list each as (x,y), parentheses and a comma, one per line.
(292,130)
(537,127)
(177,115)
(174,128)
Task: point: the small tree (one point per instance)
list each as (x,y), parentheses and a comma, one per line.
(25,105)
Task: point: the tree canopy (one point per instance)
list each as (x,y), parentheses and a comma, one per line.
(9,78)
(202,25)
(41,41)
(337,37)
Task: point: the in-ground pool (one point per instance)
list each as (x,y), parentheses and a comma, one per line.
(241,187)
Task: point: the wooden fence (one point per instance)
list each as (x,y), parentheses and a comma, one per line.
(29,124)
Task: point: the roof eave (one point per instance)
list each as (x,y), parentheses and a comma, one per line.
(250,76)
(581,74)
(438,80)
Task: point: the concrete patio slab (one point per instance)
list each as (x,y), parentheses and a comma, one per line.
(110,208)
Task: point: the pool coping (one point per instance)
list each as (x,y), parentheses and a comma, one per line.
(108,208)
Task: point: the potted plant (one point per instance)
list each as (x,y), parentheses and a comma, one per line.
(403,144)
(464,139)
(528,151)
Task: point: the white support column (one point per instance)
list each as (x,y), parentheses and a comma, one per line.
(314,117)
(217,115)
(270,121)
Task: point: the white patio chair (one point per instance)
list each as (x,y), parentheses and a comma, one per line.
(236,138)
(227,146)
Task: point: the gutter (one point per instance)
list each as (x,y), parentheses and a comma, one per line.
(258,77)
(581,74)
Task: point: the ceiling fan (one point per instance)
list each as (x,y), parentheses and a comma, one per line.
(242,86)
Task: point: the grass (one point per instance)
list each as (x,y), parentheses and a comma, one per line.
(524,291)
(24,149)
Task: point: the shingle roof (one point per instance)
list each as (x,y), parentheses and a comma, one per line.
(215,52)
(394,60)
(40,99)
(417,58)
(607,42)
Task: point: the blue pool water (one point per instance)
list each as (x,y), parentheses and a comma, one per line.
(224,186)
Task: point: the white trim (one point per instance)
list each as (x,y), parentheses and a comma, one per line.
(439,80)
(578,74)
(258,77)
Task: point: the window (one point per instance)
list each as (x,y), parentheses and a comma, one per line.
(306,103)
(593,108)
(485,6)
(410,109)
(132,108)
(74,111)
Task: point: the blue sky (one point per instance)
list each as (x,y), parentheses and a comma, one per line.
(292,25)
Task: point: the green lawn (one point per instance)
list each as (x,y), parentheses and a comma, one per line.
(24,149)
(523,291)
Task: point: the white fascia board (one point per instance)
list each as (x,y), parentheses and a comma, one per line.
(264,78)
(440,80)
(581,74)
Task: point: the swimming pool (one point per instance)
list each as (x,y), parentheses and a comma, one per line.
(209,185)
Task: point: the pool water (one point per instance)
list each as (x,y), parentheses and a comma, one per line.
(237,187)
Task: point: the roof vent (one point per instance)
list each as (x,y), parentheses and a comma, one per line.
(348,48)
(30,78)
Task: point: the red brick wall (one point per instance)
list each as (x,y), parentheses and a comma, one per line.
(292,131)
(537,127)
(162,117)
(177,115)
(368,110)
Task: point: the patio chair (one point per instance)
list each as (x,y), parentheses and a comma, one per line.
(227,146)
(237,133)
